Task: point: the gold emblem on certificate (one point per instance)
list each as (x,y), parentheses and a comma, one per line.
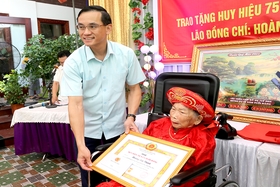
(151,146)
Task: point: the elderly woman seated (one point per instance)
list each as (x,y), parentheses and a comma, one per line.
(187,125)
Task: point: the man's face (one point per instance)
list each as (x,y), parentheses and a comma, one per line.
(61,60)
(91,29)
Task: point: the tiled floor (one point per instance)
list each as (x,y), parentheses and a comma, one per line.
(30,170)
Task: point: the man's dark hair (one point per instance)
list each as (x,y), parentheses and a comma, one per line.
(63,53)
(105,16)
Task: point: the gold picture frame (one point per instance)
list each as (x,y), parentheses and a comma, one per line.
(249,72)
(139,160)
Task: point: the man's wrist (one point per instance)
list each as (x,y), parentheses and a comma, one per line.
(131,115)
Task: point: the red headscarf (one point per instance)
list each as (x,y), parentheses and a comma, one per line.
(192,101)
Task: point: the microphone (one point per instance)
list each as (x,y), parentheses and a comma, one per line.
(54,70)
(276,83)
(278,73)
(39,105)
(55,67)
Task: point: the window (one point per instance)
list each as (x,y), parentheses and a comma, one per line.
(52,29)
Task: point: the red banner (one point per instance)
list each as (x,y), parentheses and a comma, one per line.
(184,23)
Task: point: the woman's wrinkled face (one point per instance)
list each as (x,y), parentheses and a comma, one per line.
(183,117)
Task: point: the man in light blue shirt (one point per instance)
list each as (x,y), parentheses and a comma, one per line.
(94,80)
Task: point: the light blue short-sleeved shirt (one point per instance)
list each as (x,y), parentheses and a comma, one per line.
(102,85)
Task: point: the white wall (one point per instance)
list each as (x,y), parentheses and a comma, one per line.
(34,10)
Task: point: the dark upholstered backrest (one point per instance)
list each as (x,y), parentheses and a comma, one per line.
(205,84)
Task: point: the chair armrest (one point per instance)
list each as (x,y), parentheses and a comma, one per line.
(99,150)
(185,176)
(103,147)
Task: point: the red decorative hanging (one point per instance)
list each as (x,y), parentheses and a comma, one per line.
(62,1)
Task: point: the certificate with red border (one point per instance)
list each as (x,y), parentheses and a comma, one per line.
(140,160)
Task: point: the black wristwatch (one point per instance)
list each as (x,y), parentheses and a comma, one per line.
(131,115)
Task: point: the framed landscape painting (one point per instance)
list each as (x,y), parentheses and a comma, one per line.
(249,72)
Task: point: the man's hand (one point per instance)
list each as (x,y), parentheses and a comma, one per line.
(84,158)
(130,125)
(55,99)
